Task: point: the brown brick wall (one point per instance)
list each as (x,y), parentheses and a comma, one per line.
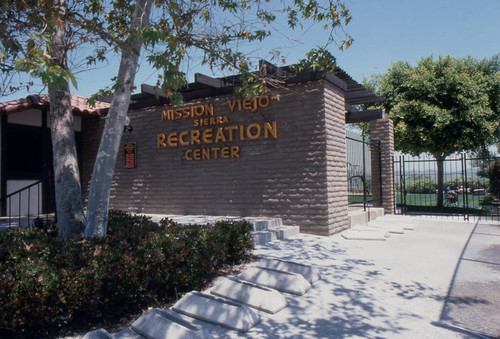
(336,159)
(383,169)
(376,168)
(300,176)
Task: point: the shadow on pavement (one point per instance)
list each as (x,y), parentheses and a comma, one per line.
(356,310)
(473,301)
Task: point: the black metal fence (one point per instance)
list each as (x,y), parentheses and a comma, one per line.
(359,171)
(466,189)
(28,206)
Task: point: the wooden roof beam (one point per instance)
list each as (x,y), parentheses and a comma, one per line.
(364,116)
(148,89)
(350,108)
(208,81)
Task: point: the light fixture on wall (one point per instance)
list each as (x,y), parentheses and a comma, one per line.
(127,126)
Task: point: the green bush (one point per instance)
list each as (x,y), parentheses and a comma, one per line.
(425,185)
(48,283)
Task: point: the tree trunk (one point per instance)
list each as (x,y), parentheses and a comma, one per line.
(440,182)
(69,203)
(104,167)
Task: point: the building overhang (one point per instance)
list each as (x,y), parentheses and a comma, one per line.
(79,105)
(205,86)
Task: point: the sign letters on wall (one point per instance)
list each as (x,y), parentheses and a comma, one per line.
(216,130)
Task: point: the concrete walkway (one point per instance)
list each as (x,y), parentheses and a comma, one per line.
(398,288)
(473,301)
(434,279)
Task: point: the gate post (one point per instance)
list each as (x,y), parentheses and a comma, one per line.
(383,166)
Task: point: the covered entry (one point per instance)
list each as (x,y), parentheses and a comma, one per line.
(26,183)
(223,154)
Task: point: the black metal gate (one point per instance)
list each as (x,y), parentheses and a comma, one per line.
(467,190)
(360,152)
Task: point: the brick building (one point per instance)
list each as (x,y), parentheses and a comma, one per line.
(218,153)
(26,151)
(221,154)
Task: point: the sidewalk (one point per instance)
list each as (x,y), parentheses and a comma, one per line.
(398,288)
(474,297)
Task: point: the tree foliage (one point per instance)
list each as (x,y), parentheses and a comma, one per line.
(168,37)
(442,105)
(178,30)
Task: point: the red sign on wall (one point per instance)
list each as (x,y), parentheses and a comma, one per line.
(130,155)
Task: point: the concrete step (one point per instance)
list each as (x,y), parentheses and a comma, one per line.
(101,333)
(361,217)
(227,305)
(98,334)
(128,333)
(405,224)
(159,324)
(288,231)
(262,224)
(398,217)
(364,234)
(391,227)
(308,272)
(282,281)
(264,229)
(259,297)
(379,228)
(217,311)
(265,236)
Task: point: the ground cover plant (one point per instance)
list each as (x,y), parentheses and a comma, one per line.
(358,198)
(422,202)
(49,283)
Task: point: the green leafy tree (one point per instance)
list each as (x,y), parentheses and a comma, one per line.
(441,106)
(38,35)
(34,39)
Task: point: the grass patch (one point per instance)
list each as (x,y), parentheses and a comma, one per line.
(427,203)
(358,198)
(446,210)
(427,199)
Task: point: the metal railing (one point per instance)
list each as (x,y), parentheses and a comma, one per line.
(25,213)
(466,187)
(359,172)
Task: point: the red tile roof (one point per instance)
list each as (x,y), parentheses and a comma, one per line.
(78,103)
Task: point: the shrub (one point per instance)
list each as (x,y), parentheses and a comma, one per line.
(425,185)
(49,283)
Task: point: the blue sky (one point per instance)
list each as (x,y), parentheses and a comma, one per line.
(390,30)
(384,31)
